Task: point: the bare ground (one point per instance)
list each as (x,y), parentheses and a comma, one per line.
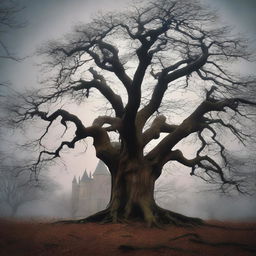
(26,238)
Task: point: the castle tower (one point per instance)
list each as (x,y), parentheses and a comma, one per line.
(91,193)
(101,186)
(74,197)
(85,195)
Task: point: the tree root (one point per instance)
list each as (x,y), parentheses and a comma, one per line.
(176,219)
(128,248)
(229,228)
(185,235)
(197,239)
(245,247)
(99,217)
(160,218)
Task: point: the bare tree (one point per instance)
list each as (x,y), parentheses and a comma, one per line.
(8,21)
(9,10)
(18,187)
(168,193)
(156,49)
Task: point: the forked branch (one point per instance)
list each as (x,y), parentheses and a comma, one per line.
(210,167)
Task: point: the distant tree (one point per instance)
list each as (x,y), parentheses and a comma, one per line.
(168,193)
(141,61)
(18,187)
(9,10)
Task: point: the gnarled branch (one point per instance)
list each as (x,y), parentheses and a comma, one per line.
(206,163)
(157,127)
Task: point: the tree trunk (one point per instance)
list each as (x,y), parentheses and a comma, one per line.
(132,199)
(133,193)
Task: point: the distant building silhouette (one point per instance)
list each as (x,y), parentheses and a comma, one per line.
(91,193)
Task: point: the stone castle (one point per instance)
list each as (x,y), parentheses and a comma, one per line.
(91,193)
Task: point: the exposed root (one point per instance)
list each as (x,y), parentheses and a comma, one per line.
(185,235)
(157,218)
(197,239)
(65,222)
(100,217)
(128,248)
(245,247)
(173,218)
(229,228)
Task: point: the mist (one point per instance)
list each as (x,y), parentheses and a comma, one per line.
(50,20)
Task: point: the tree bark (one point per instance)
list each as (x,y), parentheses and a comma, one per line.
(132,192)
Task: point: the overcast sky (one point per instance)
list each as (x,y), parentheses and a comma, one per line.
(50,19)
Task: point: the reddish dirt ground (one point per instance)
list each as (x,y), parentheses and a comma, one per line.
(25,238)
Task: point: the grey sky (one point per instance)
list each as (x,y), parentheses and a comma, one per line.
(50,19)
(239,12)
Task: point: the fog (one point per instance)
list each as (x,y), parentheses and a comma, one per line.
(51,19)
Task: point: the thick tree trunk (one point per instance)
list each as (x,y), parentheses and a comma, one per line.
(132,199)
(133,193)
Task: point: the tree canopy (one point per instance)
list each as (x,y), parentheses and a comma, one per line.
(139,61)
